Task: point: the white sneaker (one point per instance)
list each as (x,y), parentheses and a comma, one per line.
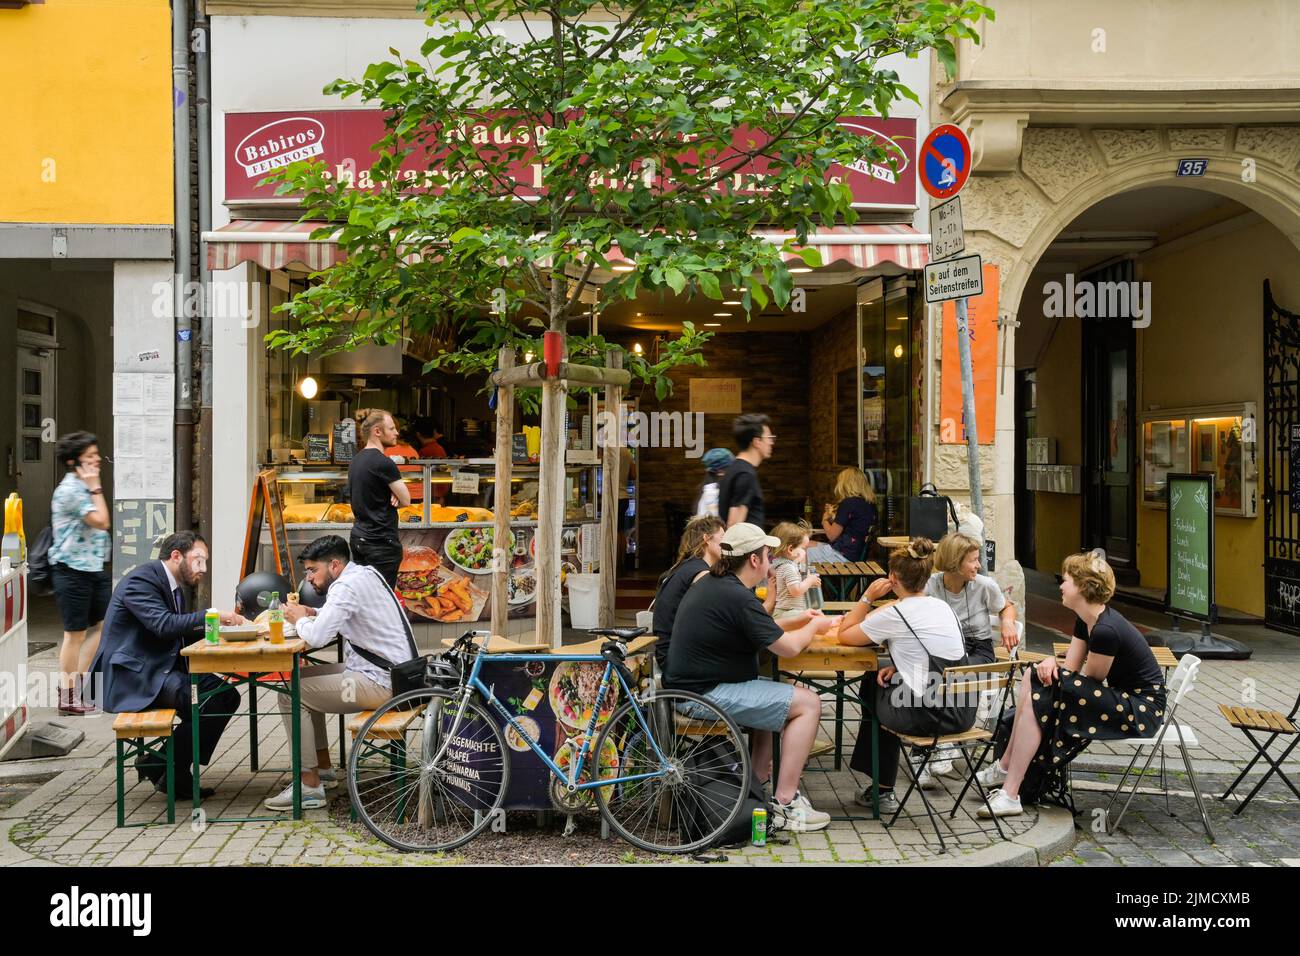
(991,776)
(313,798)
(926,780)
(329,777)
(888,800)
(800,816)
(1000,804)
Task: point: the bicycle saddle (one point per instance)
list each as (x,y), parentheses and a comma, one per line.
(620,633)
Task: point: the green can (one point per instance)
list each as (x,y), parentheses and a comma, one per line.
(759,827)
(212,626)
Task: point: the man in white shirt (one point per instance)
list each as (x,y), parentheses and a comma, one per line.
(361,607)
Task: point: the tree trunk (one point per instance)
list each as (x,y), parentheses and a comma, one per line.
(609,516)
(501,529)
(550,511)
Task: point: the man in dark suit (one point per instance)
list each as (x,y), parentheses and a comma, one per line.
(139,665)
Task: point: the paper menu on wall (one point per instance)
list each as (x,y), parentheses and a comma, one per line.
(128,393)
(159,394)
(128,437)
(157,478)
(128,478)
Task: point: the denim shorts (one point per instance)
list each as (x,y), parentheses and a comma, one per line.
(82,596)
(757,704)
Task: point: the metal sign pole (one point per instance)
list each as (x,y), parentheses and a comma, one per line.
(968,413)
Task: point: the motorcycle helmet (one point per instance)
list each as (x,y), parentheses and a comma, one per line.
(253,594)
(308,596)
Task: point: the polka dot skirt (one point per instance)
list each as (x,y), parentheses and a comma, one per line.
(1076,710)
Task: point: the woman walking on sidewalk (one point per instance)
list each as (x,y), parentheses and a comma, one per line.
(82,586)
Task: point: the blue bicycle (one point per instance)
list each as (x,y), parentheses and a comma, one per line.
(431,768)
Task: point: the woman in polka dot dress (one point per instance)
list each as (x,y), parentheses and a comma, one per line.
(1110,687)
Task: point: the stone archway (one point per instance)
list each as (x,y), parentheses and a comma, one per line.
(1011,218)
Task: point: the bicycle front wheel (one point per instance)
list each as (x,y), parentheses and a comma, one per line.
(694,785)
(428,771)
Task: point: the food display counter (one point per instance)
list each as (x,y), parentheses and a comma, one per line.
(447,531)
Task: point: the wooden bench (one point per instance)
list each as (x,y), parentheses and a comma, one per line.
(392,726)
(138,734)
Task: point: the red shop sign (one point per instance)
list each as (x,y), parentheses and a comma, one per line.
(259,143)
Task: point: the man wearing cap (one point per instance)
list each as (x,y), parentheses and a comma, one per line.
(719,629)
(716,461)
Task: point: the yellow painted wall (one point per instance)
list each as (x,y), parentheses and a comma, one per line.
(1058,519)
(86,112)
(1206,345)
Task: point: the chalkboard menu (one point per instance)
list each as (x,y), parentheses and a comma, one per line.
(318,447)
(519,447)
(345,441)
(1191,546)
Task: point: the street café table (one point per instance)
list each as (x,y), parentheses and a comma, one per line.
(242,662)
(841,578)
(826,653)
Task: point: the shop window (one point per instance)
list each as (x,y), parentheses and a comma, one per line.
(887,355)
(1214,440)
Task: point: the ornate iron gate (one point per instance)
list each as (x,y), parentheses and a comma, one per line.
(1281,454)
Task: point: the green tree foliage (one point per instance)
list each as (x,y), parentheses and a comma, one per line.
(553,133)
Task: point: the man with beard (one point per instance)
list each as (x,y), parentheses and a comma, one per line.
(360,606)
(376,490)
(140,661)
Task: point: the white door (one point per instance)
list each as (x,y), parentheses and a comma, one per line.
(37,433)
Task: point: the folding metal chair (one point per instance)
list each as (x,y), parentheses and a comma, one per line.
(1274,724)
(1182,737)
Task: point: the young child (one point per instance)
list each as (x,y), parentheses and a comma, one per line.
(791,586)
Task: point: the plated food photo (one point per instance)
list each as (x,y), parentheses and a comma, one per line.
(417,575)
(470,549)
(573,693)
(522,587)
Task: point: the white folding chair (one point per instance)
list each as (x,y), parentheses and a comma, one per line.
(1173,734)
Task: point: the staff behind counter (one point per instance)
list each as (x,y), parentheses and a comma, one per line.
(376,490)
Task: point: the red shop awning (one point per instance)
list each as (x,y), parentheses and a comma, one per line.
(273,244)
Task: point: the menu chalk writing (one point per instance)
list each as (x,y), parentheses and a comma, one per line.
(1191,545)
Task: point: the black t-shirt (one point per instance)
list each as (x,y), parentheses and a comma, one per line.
(369,475)
(1113,636)
(669,597)
(721,626)
(740,487)
(857,517)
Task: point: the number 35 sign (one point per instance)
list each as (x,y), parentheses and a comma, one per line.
(1192,167)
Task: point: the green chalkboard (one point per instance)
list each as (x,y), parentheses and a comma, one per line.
(1191,546)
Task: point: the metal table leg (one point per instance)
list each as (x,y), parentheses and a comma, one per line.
(295,760)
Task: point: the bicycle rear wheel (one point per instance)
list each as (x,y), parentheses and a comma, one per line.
(423,775)
(705,784)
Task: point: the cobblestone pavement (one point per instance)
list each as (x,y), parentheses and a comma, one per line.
(70,819)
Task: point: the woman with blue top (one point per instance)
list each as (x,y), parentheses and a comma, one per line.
(80,546)
(850,522)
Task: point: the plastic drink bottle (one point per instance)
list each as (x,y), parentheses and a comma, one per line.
(276,620)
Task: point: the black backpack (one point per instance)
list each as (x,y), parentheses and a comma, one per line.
(40,577)
(713,770)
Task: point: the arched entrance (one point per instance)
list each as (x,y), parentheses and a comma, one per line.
(1140,352)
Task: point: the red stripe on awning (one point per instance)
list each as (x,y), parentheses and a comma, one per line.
(273,244)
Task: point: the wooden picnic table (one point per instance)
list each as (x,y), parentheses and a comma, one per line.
(894,541)
(842,577)
(245,662)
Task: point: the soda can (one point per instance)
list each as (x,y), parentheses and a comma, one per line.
(759,832)
(212,626)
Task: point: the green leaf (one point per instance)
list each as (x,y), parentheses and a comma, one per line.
(676,281)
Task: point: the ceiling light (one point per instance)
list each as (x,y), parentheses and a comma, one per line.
(722,315)
(732,302)
(713,325)
(624,267)
(796,270)
(637,348)
(898,351)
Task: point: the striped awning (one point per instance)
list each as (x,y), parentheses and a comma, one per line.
(273,244)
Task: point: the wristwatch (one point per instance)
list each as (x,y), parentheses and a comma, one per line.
(96,491)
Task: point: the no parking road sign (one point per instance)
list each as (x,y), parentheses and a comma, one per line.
(945,161)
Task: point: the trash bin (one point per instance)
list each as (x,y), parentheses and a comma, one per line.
(584,600)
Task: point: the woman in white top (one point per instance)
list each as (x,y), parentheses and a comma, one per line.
(924,637)
(972,596)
